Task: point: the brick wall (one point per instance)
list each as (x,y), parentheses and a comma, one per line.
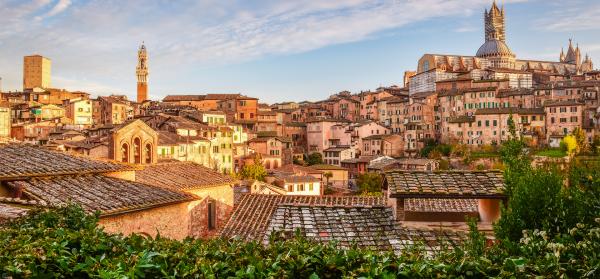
(172,221)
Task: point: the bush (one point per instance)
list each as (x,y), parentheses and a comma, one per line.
(66,243)
(369,182)
(314,158)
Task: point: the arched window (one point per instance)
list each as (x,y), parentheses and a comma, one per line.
(275,164)
(137,151)
(125,153)
(148,153)
(267,164)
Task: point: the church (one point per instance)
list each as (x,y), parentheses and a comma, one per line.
(494,60)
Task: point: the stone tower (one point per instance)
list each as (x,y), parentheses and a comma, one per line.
(142,74)
(494,22)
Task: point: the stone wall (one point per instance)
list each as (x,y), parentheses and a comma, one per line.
(171,221)
(222,196)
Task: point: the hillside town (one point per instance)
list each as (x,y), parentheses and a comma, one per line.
(225,164)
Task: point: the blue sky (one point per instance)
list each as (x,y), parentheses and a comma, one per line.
(274,50)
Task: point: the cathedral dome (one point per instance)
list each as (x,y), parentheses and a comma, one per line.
(494,48)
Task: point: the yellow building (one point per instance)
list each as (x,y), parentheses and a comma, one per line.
(4,122)
(36,72)
(79,111)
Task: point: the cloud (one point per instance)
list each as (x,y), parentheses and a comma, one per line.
(576,17)
(98,38)
(60,6)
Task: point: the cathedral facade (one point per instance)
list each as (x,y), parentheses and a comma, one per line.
(494,58)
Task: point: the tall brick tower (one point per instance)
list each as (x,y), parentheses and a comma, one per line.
(142,74)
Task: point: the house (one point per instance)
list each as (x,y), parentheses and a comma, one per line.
(36,177)
(274,151)
(111,109)
(339,176)
(346,220)
(450,195)
(357,166)
(213,190)
(335,155)
(79,112)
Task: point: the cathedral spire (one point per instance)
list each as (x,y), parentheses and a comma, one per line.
(494,21)
(141,72)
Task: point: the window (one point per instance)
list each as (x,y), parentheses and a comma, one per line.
(301,187)
(212,215)
(487,123)
(310,187)
(495,123)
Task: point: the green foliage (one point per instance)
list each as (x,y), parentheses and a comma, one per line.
(66,243)
(369,182)
(444,165)
(254,171)
(595,145)
(554,153)
(433,150)
(539,199)
(314,158)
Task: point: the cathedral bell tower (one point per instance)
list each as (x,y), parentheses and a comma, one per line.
(494,22)
(141,72)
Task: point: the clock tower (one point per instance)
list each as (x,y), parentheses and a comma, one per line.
(142,74)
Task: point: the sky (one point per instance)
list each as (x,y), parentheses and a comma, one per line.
(275,50)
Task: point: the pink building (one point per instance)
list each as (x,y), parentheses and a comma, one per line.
(562,117)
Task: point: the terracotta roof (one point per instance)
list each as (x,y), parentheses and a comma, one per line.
(441,205)
(295,169)
(175,98)
(22,160)
(364,221)
(181,176)
(297,178)
(11,211)
(97,193)
(462,119)
(250,219)
(485,111)
(445,184)
(325,167)
(563,103)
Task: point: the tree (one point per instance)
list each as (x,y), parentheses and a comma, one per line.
(514,156)
(327,176)
(569,144)
(314,159)
(582,144)
(369,182)
(254,171)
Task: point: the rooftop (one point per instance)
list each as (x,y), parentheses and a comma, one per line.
(441,205)
(445,184)
(364,221)
(25,161)
(96,193)
(325,167)
(251,217)
(181,176)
